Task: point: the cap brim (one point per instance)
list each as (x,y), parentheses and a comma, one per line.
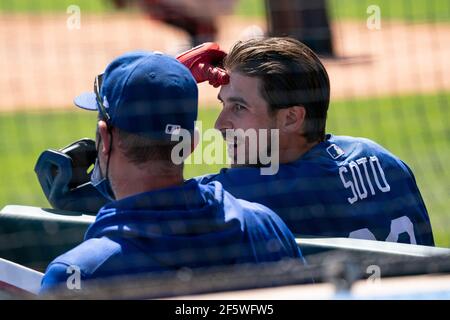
(86,101)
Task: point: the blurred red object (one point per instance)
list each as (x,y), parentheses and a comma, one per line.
(197,18)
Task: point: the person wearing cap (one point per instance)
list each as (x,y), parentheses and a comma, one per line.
(325,185)
(158,221)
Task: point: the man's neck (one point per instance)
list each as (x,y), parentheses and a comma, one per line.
(293,151)
(134,180)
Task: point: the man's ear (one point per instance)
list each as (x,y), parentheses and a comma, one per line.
(105,137)
(292,119)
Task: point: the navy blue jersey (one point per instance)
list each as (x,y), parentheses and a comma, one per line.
(342,187)
(191,226)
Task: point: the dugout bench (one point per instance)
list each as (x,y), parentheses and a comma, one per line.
(34,236)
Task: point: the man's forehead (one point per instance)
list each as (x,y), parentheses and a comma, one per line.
(241,86)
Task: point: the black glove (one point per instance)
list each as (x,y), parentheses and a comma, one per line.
(65,180)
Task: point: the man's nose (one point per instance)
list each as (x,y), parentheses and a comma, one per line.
(223,122)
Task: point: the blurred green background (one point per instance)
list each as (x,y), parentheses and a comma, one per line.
(422,144)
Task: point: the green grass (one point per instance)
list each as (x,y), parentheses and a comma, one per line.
(26,135)
(247,8)
(407,10)
(413,127)
(41,6)
(250,8)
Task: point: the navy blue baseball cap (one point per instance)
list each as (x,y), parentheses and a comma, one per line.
(146,93)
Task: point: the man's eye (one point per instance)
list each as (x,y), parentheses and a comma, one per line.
(238,107)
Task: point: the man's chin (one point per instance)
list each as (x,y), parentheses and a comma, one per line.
(239,160)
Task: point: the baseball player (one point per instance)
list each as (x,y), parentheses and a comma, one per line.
(326,185)
(159,222)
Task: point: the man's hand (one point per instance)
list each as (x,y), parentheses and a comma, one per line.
(205,63)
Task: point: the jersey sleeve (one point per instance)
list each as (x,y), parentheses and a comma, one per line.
(269,236)
(55,277)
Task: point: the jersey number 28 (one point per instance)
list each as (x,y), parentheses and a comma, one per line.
(398,226)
